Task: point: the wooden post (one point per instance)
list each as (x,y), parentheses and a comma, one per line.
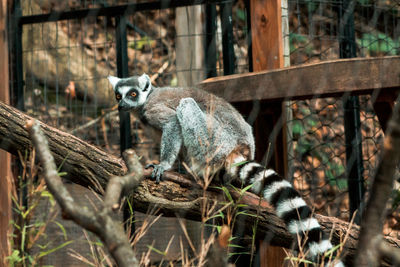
(267,52)
(266,34)
(5,159)
(189,45)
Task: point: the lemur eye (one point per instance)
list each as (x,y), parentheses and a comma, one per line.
(118,96)
(133,94)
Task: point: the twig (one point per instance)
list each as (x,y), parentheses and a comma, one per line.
(101,223)
(93,122)
(154,77)
(123,184)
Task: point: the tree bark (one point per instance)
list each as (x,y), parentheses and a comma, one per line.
(176,196)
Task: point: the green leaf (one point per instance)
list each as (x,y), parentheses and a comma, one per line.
(234,246)
(14,258)
(297,128)
(174,82)
(23,237)
(47,194)
(299,260)
(62,163)
(378,43)
(244,190)
(156,250)
(311,122)
(219,215)
(228,195)
(329,252)
(62,229)
(241,14)
(129,205)
(47,252)
(139,44)
(239,163)
(43,246)
(247,214)
(232,238)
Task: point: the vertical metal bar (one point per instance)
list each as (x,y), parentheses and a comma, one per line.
(227,38)
(122,72)
(17,97)
(249,40)
(211,50)
(347,41)
(124,116)
(352,124)
(17,93)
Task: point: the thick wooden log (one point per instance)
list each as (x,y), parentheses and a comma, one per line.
(175,197)
(329,78)
(82,161)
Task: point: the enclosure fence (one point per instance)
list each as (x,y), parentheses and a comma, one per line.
(62,53)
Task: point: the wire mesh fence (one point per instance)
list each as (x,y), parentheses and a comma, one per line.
(66,64)
(65,68)
(317,128)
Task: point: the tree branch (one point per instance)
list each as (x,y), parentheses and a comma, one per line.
(101,223)
(368,253)
(176,195)
(119,185)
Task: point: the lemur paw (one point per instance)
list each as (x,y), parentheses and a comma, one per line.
(158,171)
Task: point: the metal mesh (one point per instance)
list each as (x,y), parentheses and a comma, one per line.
(66,65)
(318,158)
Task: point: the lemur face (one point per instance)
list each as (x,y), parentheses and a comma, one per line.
(132,92)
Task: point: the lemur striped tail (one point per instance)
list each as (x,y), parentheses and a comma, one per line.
(289,206)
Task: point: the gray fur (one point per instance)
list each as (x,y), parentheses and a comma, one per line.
(227,126)
(212,134)
(207,126)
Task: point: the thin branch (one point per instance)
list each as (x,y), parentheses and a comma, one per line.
(81,215)
(101,223)
(123,184)
(107,115)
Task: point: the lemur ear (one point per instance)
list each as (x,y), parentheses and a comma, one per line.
(113,80)
(144,82)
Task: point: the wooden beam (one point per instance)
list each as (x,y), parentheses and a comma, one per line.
(330,78)
(5,159)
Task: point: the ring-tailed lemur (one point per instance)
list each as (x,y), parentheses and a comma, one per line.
(213,135)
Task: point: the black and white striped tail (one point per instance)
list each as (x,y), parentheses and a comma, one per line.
(288,204)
